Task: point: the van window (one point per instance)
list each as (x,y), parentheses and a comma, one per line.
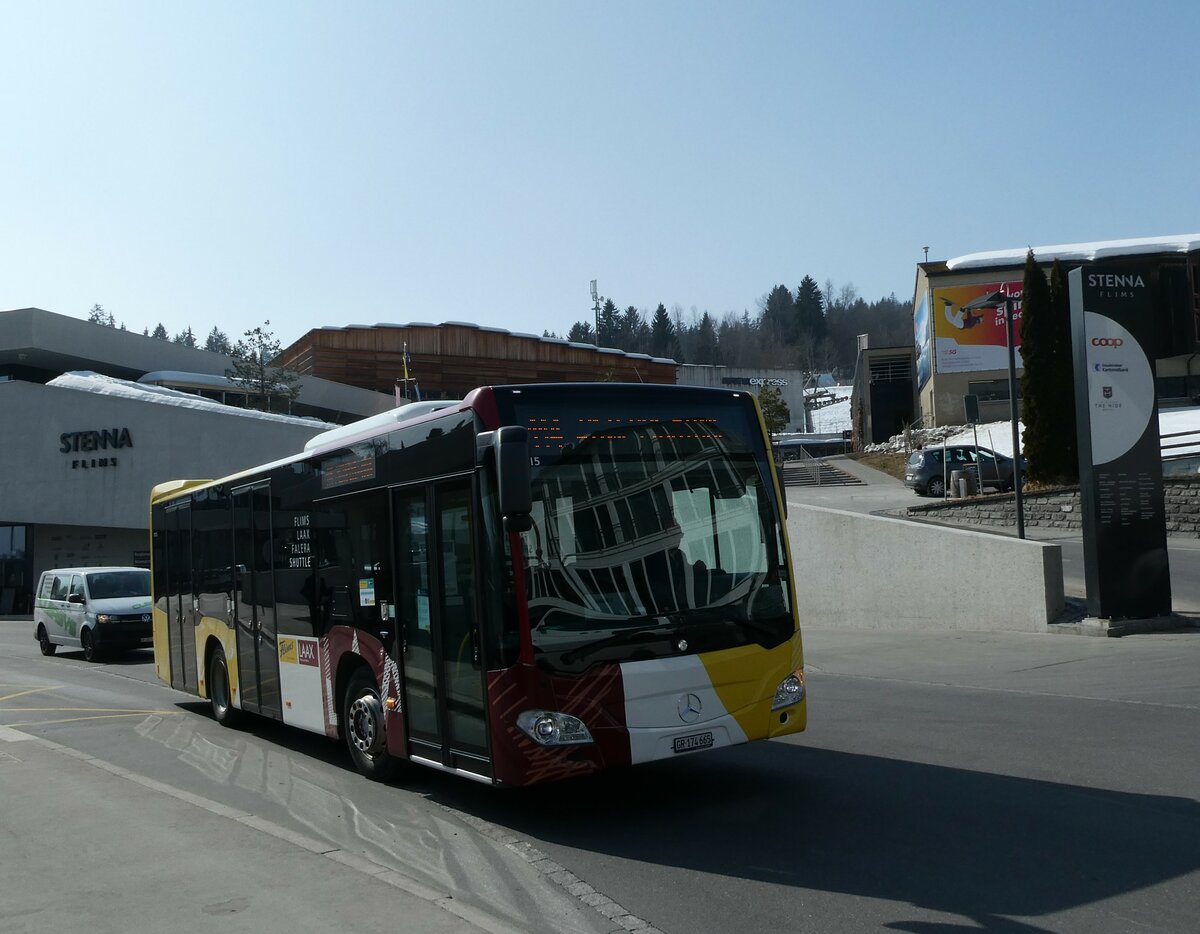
(62,586)
(47,587)
(77,584)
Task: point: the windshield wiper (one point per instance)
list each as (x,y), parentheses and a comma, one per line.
(625,637)
(702,618)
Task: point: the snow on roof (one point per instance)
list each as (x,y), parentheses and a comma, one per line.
(88,381)
(1079,252)
(184,377)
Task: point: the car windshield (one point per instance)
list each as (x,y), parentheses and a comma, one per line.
(108,585)
(650,535)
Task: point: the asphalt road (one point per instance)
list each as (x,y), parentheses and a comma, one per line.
(947,782)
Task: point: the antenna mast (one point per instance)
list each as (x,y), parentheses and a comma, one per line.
(596,309)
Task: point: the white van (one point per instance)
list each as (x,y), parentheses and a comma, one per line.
(95,609)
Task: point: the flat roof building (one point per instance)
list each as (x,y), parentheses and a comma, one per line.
(91,425)
(960,351)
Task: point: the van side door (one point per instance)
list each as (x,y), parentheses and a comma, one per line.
(76,604)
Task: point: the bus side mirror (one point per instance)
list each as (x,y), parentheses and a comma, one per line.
(510,446)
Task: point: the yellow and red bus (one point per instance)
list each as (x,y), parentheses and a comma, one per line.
(533,583)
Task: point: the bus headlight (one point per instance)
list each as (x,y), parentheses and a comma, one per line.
(549,728)
(790,690)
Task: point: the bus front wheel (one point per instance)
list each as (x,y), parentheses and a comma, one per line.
(363,726)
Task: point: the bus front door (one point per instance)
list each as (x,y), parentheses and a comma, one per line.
(254,601)
(438,620)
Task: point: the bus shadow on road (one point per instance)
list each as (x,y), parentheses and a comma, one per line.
(982,846)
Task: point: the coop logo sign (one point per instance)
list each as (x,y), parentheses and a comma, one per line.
(88,442)
(1107,342)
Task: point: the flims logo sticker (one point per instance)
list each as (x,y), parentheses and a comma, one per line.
(287,651)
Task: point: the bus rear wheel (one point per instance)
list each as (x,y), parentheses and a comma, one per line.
(223,710)
(363,727)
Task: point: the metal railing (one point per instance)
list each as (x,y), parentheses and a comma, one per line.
(1170,452)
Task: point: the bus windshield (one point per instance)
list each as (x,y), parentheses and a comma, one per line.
(652,536)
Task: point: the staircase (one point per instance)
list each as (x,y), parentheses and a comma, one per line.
(810,471)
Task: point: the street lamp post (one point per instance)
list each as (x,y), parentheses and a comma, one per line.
(999,299)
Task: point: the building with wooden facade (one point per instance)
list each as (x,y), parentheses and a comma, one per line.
(445,361)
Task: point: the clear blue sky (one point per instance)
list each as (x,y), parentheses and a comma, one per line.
(334,163)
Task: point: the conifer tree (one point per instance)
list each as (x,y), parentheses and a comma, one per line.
(663,342)
(1062,422)
(778,316)
(609,324)
(217,341)
(1037,377)
(582,333)
(707,350)
(809,312)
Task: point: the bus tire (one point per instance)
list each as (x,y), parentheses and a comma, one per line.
(363,727)
(223,710)
(44,643)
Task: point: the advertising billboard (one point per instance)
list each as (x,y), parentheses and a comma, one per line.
(921,335)
(970,340)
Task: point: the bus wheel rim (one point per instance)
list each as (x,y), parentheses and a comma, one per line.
(366,724)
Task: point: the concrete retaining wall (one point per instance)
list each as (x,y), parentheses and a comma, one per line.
(857,571)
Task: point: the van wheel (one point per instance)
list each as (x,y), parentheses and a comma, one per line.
(44,643)
(363,727)
(90,652)
(223,710)
(937,487)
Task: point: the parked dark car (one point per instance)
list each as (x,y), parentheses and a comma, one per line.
(928,470)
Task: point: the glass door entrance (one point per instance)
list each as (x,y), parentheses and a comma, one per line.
(437,616)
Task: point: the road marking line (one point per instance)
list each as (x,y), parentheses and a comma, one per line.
(90,709)
(30,691)
(107,716)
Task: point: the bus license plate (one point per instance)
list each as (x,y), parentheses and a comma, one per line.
(695,741)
